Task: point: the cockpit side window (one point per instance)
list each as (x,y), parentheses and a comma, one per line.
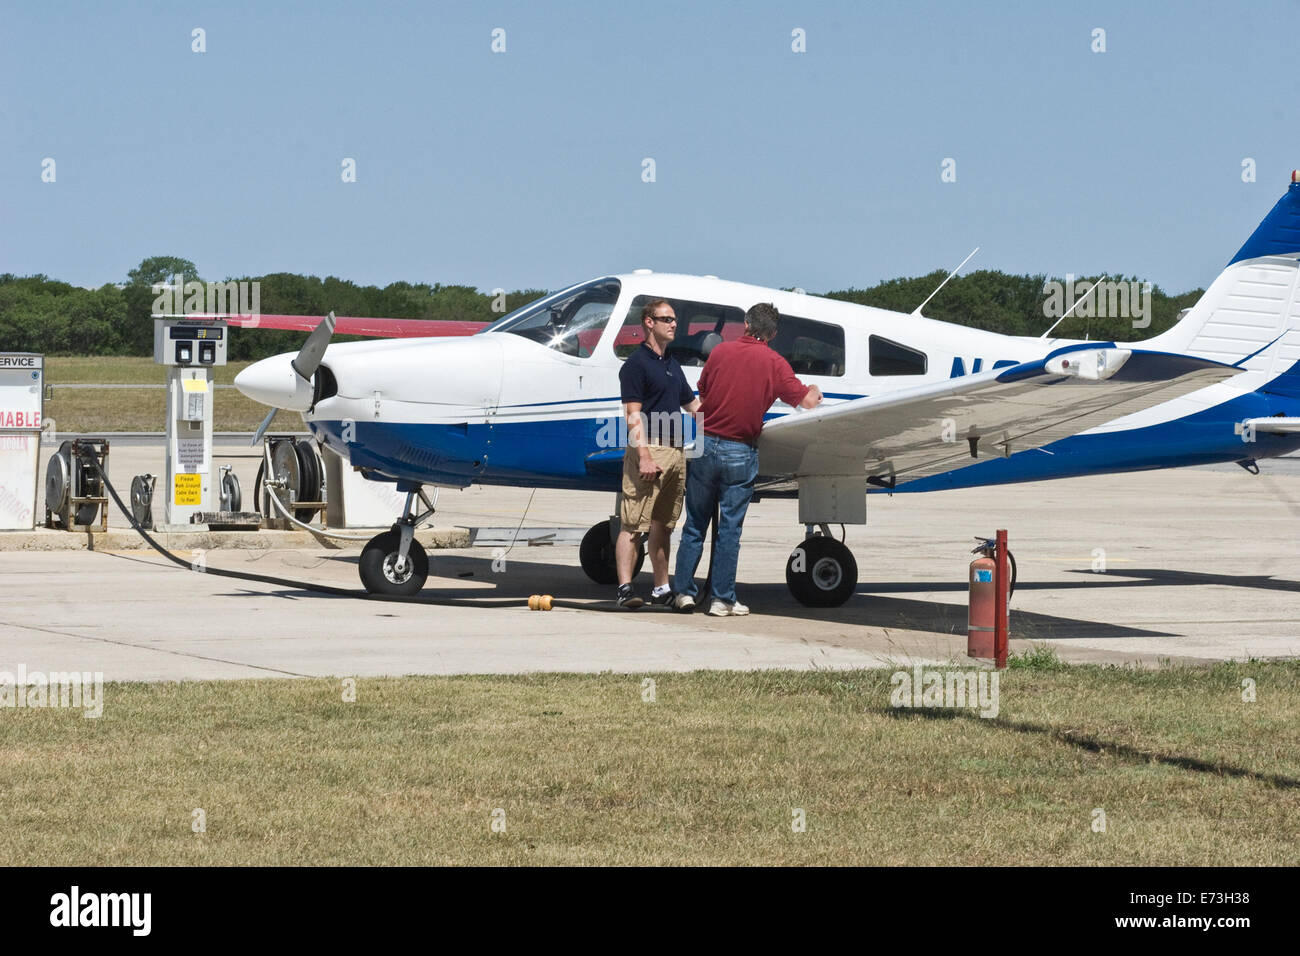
(570,322)
(700,326)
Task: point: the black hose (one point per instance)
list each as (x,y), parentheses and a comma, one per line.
(219,572)
(317,588)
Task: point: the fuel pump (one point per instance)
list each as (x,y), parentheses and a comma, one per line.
(191,349)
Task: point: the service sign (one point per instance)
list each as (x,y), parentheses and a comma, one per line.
(22,387)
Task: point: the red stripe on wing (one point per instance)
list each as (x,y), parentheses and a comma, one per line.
(351,325)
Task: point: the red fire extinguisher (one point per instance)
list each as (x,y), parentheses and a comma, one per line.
(986,621)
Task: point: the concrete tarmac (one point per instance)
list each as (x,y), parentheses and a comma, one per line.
(1184,565)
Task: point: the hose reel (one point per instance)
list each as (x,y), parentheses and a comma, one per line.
(74,491)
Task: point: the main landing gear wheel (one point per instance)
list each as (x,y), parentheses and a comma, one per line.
(597,555)
(821,572)
(379,571)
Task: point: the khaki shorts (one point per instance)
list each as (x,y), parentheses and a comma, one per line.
(658,500)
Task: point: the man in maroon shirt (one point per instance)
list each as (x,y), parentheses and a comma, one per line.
(739,383)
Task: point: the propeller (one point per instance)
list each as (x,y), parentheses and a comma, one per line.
(313,350)
(266,381)
(261,429)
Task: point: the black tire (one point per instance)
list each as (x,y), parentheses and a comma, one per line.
(597,555)
(377,558)
(828,575)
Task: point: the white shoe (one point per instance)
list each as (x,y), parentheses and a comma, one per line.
(722,609)
(684,602)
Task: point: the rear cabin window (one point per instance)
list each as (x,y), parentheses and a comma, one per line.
(811,347)
(890,358)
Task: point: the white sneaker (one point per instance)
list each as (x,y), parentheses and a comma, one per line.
(684,602)
(722,609)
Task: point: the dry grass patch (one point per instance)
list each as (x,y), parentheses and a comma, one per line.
(710,773)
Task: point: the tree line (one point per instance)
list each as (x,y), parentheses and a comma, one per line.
(39,314)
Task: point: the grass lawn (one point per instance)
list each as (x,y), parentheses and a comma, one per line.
(711,772)
(129,410)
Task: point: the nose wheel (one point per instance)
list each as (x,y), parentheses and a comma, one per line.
(821,572)
(394,563)
(385,571)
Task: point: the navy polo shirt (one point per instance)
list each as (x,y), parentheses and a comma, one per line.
(658,383)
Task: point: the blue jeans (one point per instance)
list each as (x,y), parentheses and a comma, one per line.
(723,477)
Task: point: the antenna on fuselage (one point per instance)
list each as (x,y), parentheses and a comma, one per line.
(1077,303)
(917,310)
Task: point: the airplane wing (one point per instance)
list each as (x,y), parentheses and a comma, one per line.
(940,427)
(352,325)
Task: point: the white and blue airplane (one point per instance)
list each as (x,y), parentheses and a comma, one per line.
(533,400)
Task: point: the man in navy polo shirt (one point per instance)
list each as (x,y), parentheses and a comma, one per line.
(654,391)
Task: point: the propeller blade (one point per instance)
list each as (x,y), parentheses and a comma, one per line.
(261,429)
(313,350)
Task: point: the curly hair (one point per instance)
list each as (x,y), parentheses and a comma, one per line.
(761,320)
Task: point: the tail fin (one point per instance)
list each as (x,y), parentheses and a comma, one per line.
(1250,314)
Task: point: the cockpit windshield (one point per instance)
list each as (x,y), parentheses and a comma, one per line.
(571,322)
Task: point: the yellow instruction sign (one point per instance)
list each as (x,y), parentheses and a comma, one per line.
(188,490)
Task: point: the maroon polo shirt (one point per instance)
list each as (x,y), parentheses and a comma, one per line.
(740,382)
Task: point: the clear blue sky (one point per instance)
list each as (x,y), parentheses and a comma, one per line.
(523,169)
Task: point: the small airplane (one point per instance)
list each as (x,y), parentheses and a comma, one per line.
(533,399)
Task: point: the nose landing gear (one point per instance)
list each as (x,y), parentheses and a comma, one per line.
(393,562)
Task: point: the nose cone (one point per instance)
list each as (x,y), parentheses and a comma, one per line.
(274,382)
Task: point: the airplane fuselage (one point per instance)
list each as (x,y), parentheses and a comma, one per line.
(531,400)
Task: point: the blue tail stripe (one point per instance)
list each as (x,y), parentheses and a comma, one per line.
(1279,233)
